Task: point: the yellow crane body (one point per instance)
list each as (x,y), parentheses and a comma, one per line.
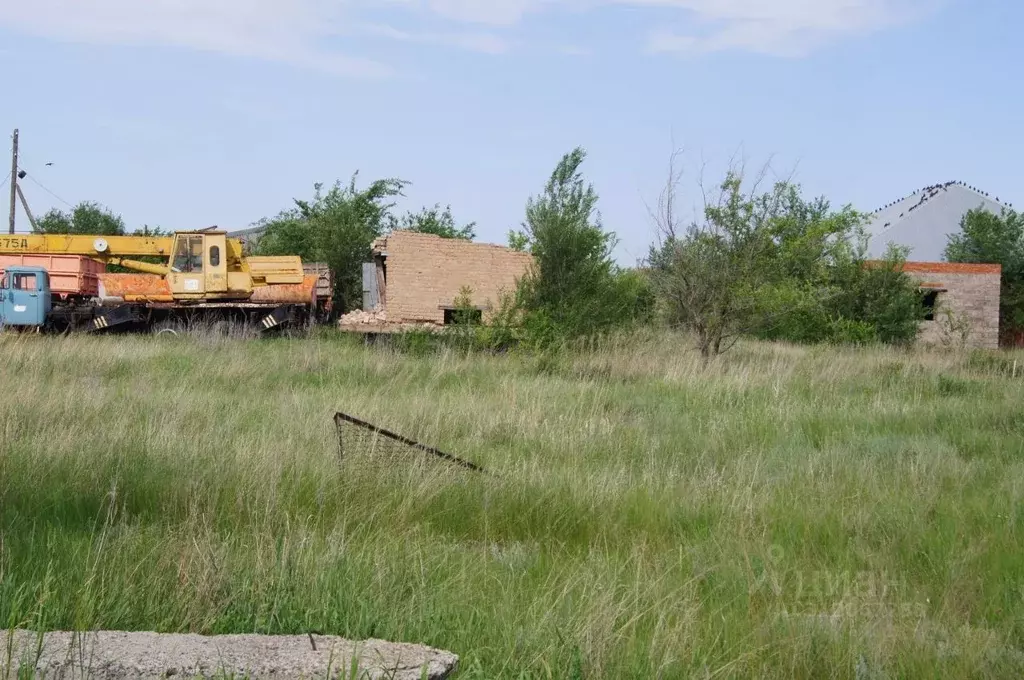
(185,266)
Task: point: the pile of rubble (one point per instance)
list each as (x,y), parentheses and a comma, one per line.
(361,321)
(363,318)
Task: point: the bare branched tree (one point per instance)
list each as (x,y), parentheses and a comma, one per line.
(703,270)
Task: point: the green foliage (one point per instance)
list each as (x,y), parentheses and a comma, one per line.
(987,238)
(574,290)
(707,274)
(466,318)
(501,333)
(518,241)
(438,222)
(92,218)
(636,295)
(954,329)
(85,218)
(338,227)
(853,302)
(465,312)
(147,230)
(883,296)
(503,329)
(417,342)
(778,267)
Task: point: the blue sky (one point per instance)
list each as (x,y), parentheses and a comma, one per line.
(190,113)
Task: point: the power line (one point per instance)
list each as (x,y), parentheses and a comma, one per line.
(40,185)
(2,183)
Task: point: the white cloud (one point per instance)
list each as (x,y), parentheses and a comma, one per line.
(489,43)
(766,26)
(784,27)
(498,12)
(307,32)
(279,30)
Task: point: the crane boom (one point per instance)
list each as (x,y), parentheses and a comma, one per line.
(196,265)
(80,244)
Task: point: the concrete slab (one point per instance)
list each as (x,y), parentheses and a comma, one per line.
(108,655)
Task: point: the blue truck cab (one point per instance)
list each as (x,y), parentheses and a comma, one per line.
(26,296)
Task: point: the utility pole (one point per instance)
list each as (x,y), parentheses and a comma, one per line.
(24,204)
(14,180)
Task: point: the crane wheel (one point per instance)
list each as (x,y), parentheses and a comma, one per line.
(167,328)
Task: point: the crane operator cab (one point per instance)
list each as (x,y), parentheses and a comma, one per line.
(26,296)
(199,264)
(208,265)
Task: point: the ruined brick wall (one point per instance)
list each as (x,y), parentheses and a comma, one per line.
(426,272)
(971,290)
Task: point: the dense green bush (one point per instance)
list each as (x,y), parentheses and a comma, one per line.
(882,296)
(987,238)
(854,302)
(574,290)
(337,227)
(778,267)
(85,218)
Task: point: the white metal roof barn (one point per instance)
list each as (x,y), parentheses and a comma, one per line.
(924,220)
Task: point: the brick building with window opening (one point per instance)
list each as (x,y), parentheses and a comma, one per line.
(922,223)
(417,278)
(959,295)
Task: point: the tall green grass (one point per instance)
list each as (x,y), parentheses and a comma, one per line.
(784,512)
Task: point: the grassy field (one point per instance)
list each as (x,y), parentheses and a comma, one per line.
(784,512)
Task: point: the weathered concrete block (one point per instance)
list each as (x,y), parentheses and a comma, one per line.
(153,656)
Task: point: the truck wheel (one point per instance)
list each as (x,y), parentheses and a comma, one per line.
(167,328)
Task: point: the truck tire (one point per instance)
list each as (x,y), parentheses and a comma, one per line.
(167,328)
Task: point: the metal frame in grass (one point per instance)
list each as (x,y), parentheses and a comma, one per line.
(341,418)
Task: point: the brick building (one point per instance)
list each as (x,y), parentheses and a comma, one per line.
(959,296)
(416,278)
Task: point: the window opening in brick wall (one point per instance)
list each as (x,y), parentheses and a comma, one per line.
(457,316)
(930,302)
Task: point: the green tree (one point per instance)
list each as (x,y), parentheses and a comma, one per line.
(574,289)
(774,265)
(820,255)
(518,241)
(85,218)
(438,222)
(92,218)
(706,273)
(146,230)
(338,227)
(987,238)
(878,297)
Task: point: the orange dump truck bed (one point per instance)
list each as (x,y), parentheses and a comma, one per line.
(153,288)
(69,274)
(136,287)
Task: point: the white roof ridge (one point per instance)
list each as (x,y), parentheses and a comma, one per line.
(943,186)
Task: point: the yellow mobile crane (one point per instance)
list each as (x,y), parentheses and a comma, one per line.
(197,265)
(192,274)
